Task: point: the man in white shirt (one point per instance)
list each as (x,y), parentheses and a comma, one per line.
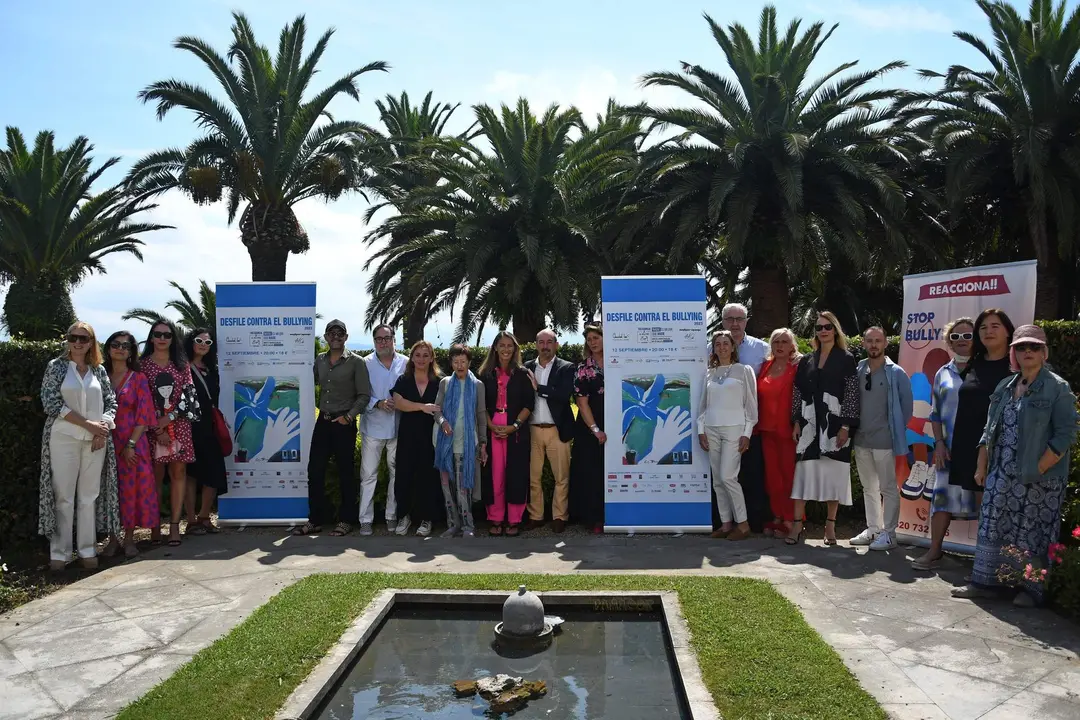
(551,428)
(752,352)
(379,425)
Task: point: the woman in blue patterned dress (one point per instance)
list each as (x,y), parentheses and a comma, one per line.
(1023,464)
(950,501)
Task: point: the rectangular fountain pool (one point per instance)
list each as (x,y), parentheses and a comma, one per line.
(600,665)
(622,655)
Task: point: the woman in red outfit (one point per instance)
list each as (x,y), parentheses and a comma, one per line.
(774,426)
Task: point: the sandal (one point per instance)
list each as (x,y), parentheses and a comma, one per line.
(927,563)
(307,529)
(130,551)
(495,530)
(175,542)
(208,524)
(194,527)
(832,540)
(513,531)
(798,536)
(341,530)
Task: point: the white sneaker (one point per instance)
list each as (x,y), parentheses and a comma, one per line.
(884,541)
(866,537)
(449,532)
(425,529)
(403,526)
(365,529)
(468,534)
(391,522)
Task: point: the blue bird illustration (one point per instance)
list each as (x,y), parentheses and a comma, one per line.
(646,405)
(254,407)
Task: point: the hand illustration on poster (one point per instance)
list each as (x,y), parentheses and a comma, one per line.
(267,419)
(657,427)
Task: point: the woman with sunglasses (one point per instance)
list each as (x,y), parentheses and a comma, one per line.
(208,470)
(168,373)
(949,500)
(1023,464)
(134,416)
(78,463)
(825,410)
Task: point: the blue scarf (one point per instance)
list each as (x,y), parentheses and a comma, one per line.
(444,448)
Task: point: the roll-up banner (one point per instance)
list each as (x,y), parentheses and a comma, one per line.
(931,300)
(266,350)
(656,476)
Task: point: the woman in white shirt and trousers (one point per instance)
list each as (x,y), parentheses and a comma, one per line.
(728,414)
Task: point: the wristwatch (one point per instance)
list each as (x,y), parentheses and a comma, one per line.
(171,416)
(131,443)
(517,424)
(594,428)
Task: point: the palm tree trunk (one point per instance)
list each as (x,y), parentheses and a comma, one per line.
(769,303)
(1068,287)
(267,263)
(415,322)
(527,324)
(1046,272)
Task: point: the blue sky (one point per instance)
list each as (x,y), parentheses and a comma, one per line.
(76,67)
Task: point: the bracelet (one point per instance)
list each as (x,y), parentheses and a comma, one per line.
(131,443)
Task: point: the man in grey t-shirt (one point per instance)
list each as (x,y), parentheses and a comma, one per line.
(882,436)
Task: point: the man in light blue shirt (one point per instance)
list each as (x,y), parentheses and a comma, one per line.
(379,426)
(751,351)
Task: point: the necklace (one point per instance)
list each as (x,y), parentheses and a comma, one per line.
(724,377)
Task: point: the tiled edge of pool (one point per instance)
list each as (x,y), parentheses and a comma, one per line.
(314,689)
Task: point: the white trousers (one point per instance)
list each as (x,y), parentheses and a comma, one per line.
(371,450)
(877,473)
(725,460)
(76,478)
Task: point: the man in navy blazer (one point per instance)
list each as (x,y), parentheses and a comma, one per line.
(552,423)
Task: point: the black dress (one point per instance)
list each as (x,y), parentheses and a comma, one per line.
(972,403)
(417,487)
(587,459)
(209,466)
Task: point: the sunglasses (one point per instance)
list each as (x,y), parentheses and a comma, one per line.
(869,381)
(78,339)
(826,327)
(200,341)
(161,335)
(1028,347)
(960,336)
(120,345)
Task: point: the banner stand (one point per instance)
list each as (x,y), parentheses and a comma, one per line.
(266,349)
(932,300)
(655,340)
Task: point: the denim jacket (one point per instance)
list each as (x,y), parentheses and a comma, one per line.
(1048,420)
(900,405)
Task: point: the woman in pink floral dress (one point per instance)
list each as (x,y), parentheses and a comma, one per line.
(134,416)
(173,389)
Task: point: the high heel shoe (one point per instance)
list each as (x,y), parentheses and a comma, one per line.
(832,540)
(798,536)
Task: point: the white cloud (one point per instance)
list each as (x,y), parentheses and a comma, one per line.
(887,16)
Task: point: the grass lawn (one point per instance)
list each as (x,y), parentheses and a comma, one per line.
(758,656)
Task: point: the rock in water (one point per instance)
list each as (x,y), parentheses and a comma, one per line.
(464,688)
(491,687)
(510,701)
(536,688)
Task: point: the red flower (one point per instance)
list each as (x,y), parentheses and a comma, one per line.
(1076,532)
(1056,553)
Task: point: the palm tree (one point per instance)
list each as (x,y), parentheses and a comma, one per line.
(264,146)
(511,232)
(1012,132)
(200,313)
(54,230)
(773,165)
(398,165)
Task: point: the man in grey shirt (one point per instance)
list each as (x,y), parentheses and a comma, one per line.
(344,393)
(882,437)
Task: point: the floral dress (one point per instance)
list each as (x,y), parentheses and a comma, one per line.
(954,499)
(1027,517)
(173,391)
(587,458)
(137,489)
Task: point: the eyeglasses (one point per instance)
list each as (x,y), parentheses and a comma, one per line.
(826,327)
(78,339)
(158,335)
(961,336)
(1028,347)
(735,319)
(384,338)
(120,345)
(200,341)
(335,333)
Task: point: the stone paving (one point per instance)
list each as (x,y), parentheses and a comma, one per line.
(90,649)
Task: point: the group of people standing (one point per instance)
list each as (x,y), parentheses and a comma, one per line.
(787,425)
(780,430)
(461,443)
(116,423)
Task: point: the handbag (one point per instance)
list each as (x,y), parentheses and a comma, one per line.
(221,429)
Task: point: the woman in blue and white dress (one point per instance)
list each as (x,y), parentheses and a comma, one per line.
(949,501)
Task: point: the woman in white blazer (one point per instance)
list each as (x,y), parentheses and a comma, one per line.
(729,412)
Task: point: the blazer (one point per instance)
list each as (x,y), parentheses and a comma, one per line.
(558,393)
